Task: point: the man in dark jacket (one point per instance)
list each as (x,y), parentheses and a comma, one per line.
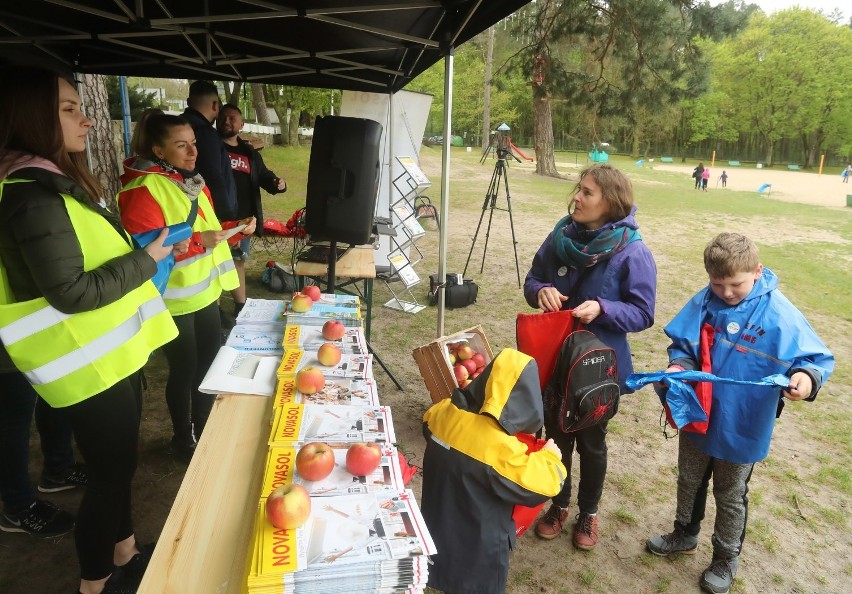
(475,470)
(250,175)
(213,162)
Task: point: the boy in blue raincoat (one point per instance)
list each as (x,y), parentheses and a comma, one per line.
(758,333)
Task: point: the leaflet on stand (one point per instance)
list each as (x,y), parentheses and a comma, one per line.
(334,423)
(340,390)
(238,372)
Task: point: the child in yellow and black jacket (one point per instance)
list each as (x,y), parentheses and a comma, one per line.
(475,471)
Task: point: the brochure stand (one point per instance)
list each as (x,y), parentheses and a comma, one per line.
(407,231)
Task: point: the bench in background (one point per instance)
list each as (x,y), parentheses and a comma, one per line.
(734,163)
(666,160)
(793,167)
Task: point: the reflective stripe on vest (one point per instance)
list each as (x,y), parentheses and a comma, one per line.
(71,357)
(195,282)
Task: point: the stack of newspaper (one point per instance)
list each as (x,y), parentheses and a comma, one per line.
(344,308)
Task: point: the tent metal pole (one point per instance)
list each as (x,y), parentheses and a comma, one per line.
(445,183)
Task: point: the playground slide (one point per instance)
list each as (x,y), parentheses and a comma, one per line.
(517,150)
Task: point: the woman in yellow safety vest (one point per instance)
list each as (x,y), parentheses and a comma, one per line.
(161,188)
(79,315)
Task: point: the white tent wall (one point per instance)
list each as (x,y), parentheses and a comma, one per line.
(403,118)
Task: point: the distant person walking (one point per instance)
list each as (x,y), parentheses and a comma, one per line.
(724,178)
(697,173)
(705,175)
(847,173)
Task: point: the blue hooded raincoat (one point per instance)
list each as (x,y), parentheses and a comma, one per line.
(762,335)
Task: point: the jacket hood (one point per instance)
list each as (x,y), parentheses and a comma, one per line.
(12,161)
(138,166)
(507,390)
(767,282)
(577,231)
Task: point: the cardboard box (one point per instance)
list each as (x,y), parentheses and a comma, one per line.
(433,360)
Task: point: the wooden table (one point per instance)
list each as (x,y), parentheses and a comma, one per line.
(204,543)
(358,264)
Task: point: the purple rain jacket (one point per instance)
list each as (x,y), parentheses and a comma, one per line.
(625,286)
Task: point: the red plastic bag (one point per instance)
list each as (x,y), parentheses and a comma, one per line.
(523,515)
(704,390)
(540,335)
(408,470)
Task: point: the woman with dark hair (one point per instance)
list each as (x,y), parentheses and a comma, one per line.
(596,264)
(79,316)
(161,188)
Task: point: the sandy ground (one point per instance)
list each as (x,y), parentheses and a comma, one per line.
(790,186)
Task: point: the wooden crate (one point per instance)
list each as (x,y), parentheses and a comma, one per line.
(433,360)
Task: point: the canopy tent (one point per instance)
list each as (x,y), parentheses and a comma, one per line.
(378,47)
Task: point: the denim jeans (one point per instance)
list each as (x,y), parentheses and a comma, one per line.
(17,403)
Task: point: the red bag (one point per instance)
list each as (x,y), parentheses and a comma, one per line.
(704,390)
(523,515)
(540,335)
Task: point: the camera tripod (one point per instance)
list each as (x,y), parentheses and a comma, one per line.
(490,204)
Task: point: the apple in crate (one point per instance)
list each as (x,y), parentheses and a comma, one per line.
(470,365)
(313,292)
(288,506)
(333,330)
(461,372)
(362,458)
(465,352)
(328,354)
(479,359)
(310,380)
(315,461)
(300,303)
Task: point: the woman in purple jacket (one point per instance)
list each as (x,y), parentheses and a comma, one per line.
(595,263)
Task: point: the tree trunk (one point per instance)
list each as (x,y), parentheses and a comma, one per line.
(232,95)
(486,97)
(770,146)
(102,150)
(258,100)
(294,127)
(545,162)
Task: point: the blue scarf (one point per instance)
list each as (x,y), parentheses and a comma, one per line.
(603,246)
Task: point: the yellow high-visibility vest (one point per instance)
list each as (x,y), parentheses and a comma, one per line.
(71,357)
(195,282)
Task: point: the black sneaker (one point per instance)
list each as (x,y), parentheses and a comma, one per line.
(76,476)
(183,448)
(42,519)
(135,568)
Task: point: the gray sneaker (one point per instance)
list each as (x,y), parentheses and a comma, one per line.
(674,542)
(719,577)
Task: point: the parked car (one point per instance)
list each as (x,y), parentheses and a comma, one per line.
(306,132)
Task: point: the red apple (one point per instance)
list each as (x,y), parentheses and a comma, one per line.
(461,372)
(479,359)
(329,354)
(465,383)
(453,346)
(315,461)
(465,352)
(310,380)
(333,330)
(362,458)
(469,365)
(301,302)
(475,374)
(288,506)
(313,292)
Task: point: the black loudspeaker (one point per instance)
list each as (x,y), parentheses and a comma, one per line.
(343,179)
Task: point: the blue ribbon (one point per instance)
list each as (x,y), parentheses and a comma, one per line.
(681,398)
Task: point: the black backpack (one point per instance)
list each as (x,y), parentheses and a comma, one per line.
(584,386)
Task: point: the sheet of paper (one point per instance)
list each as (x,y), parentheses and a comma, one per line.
(231,232)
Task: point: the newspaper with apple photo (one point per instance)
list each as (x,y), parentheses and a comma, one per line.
(346,535)
(311,338)
(282,468)
(335,423)
(338,390)
(349,365)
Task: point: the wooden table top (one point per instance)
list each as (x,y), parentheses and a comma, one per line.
(358,262)
(206,538)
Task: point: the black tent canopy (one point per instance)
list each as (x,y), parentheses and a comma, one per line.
(376,46)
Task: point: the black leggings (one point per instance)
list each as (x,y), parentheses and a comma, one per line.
(106,427)
(591,447)
(189,357)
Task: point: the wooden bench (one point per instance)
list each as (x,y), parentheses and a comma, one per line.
(793,167)
(734,163)
(666,160)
